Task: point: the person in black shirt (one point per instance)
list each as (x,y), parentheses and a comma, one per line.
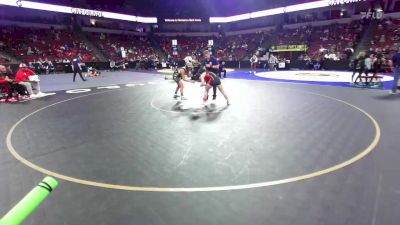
(9,72)
(358,66)
(221,62)
(76,67)
(377,64)
(396,69)
(197,69)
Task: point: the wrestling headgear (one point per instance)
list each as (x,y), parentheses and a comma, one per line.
(188,61)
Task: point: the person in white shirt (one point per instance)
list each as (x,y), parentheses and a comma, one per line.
(272,62)
(368,64)
(253,62)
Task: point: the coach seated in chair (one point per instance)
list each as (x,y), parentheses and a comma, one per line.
(4,79)
(29,80)
(5,85)
(8,85)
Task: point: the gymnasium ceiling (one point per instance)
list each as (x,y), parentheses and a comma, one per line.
(177,8)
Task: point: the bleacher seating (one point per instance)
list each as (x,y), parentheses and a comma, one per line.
(322,40)
(386,38)
(340,40)
(4,61)
(33,44)
(235,46)
(186,45)
(136,46)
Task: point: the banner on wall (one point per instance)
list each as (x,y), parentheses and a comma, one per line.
(342,2)
(372,15)
(87,12)
(77,11)
(181,20)
(288,48)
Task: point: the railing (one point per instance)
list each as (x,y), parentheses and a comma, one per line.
(341,65)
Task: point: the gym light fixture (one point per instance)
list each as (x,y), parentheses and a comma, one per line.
(277,11)
(70,10)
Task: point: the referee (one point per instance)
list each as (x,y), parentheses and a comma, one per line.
(76,67)
(396,69)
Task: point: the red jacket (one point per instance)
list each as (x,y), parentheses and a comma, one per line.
(23,75)
(3,81)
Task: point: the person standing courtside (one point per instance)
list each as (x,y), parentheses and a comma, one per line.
(272,61)
(358,66)
(253,63)
(396,70)
(76,67)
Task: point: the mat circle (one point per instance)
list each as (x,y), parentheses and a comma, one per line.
(336,167)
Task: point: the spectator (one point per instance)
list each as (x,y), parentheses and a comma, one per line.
(9,73)
(51,67)
(29,52)
(368,64)
(377,63)
(253,62)
(4,79)
(272,62)
(382,39)
(358,66)
(112,65)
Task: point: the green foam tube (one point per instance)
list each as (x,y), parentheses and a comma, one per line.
(30,202)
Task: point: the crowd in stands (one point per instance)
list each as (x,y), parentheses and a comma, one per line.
(135,47)
(386,38)
(242,46)
(44,46)
(334,42)
(186,45)
(42,49)
(234,47)
(4,60)
(330,42)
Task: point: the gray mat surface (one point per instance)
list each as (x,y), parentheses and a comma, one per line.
(271,131)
